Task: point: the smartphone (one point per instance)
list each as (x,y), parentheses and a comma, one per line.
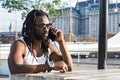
(51,35)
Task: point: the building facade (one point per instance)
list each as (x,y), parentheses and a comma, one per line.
(85,19)
(63,22)
(113,19)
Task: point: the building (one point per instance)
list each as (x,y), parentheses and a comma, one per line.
(63,22)
(113,19)
(85,18)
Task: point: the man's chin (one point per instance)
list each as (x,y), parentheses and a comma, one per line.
(44,37)
(41,38)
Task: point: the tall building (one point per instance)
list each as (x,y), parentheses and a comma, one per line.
(113,19)
(63,22)
(85,18)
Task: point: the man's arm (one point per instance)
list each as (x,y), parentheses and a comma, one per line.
(64,56)
(15,61)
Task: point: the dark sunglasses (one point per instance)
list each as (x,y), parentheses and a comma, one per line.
(44,25)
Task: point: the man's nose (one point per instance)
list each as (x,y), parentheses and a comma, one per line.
(46,28)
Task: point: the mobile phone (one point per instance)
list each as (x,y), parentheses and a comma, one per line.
(51,35)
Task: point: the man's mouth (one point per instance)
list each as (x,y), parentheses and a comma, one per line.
(45,34)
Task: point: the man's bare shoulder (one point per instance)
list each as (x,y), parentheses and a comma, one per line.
(18,43)
(17,46)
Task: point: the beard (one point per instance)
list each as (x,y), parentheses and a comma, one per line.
(41,37)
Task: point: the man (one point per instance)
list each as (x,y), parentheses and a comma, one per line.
(31,53)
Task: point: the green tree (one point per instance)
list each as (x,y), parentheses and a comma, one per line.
(24,6)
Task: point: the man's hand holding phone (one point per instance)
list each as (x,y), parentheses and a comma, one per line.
(55,34)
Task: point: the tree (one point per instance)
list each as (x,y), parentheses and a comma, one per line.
(110,34)
(87,38)
(73,37)
(26,5)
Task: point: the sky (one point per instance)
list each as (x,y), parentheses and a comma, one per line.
(9,18)
(14,18)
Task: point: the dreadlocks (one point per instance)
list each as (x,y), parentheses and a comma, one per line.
(28,30)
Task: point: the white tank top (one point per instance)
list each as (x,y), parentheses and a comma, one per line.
(30,59)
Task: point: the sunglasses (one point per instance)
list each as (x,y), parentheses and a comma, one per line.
(49,24)
(44,25)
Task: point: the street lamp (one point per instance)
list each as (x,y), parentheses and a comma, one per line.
(103,23)
(70,22)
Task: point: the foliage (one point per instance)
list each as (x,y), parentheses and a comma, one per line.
(24,6)
(90,38)
(70,37)
(110,34)
(87,38)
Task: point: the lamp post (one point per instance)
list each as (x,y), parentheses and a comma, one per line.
(70,22)
(103,23)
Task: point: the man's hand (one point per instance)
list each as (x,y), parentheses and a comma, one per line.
(58,33)
(60,66)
